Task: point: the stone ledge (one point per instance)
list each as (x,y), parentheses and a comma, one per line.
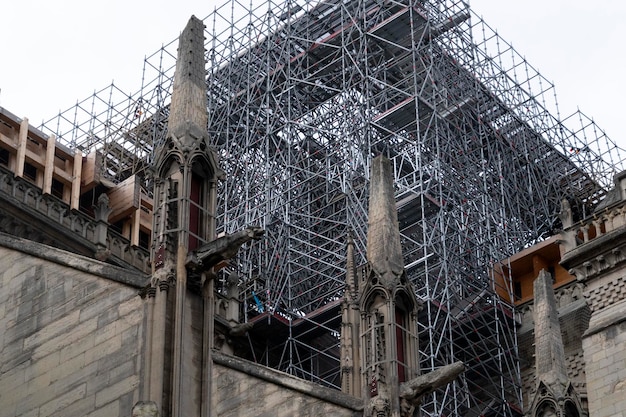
(82,263)
(289,381)
(595,247)
(606,318)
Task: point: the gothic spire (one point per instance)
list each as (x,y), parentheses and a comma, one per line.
(549,352)
(189,91)
(384,250)
(187,123)
(555,392)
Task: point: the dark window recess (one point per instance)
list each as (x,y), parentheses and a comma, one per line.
(57,188)
(194,212)
(400,337)
(118,227)
(552,273)
(30,171)
(144,239)
(87,202)
(4,157)
(517,290)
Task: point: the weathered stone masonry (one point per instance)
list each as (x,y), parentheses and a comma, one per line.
(71,335)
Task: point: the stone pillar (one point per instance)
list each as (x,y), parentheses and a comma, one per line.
(101,212)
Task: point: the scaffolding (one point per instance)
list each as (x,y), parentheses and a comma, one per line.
(301,95)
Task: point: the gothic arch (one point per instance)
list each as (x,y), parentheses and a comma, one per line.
(547,408)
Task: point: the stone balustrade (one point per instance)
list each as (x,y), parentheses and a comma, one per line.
(30,198)
(605,221)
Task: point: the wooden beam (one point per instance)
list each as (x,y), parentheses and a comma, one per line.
(91,170)
(146,221)
(48,166)
(77,170)
(21,148)
(134,230)
(124,199)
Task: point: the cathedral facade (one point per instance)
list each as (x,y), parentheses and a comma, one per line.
(101,318)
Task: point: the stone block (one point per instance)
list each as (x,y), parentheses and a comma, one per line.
(107,317)
(53,329)
(114,391)
(108,410)
(72,335)
(122,371)
(79,408)
(62,402)
(79,347)
(103,349)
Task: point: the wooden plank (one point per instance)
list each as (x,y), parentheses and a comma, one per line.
(36,158)
(134,229)
(21,148)
(77,169)
(8,141)
(92,166)
(48,169)
(64,176)
(146,221)
(124,199)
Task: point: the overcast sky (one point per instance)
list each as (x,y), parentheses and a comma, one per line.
(53,53)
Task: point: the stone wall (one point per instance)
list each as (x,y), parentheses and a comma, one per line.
(604,348)
(70,340)
(241,388)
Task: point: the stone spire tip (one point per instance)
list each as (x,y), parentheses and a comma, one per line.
(384,250)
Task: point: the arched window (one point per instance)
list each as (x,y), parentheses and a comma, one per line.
(570,409)
(547,409)
(200,211)
(401,343)
(402,319)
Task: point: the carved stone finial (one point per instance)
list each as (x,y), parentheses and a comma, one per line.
(102,254)
(380,406)
(101,213)
(145,409)
(232,287)
(567,219)
(102,209)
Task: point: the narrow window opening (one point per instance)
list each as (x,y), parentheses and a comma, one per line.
(57,188)
(4,157)
(30,172)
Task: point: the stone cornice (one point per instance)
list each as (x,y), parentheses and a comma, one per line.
(288,381)
(596,256)
(82,263)
(607,318)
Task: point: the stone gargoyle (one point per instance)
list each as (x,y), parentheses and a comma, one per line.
(412,392)
(221,249)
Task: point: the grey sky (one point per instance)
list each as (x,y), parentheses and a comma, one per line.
(55,53)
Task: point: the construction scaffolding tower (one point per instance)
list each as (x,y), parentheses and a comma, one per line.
(301,95)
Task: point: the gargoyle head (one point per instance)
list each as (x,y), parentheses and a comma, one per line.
(255,232)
